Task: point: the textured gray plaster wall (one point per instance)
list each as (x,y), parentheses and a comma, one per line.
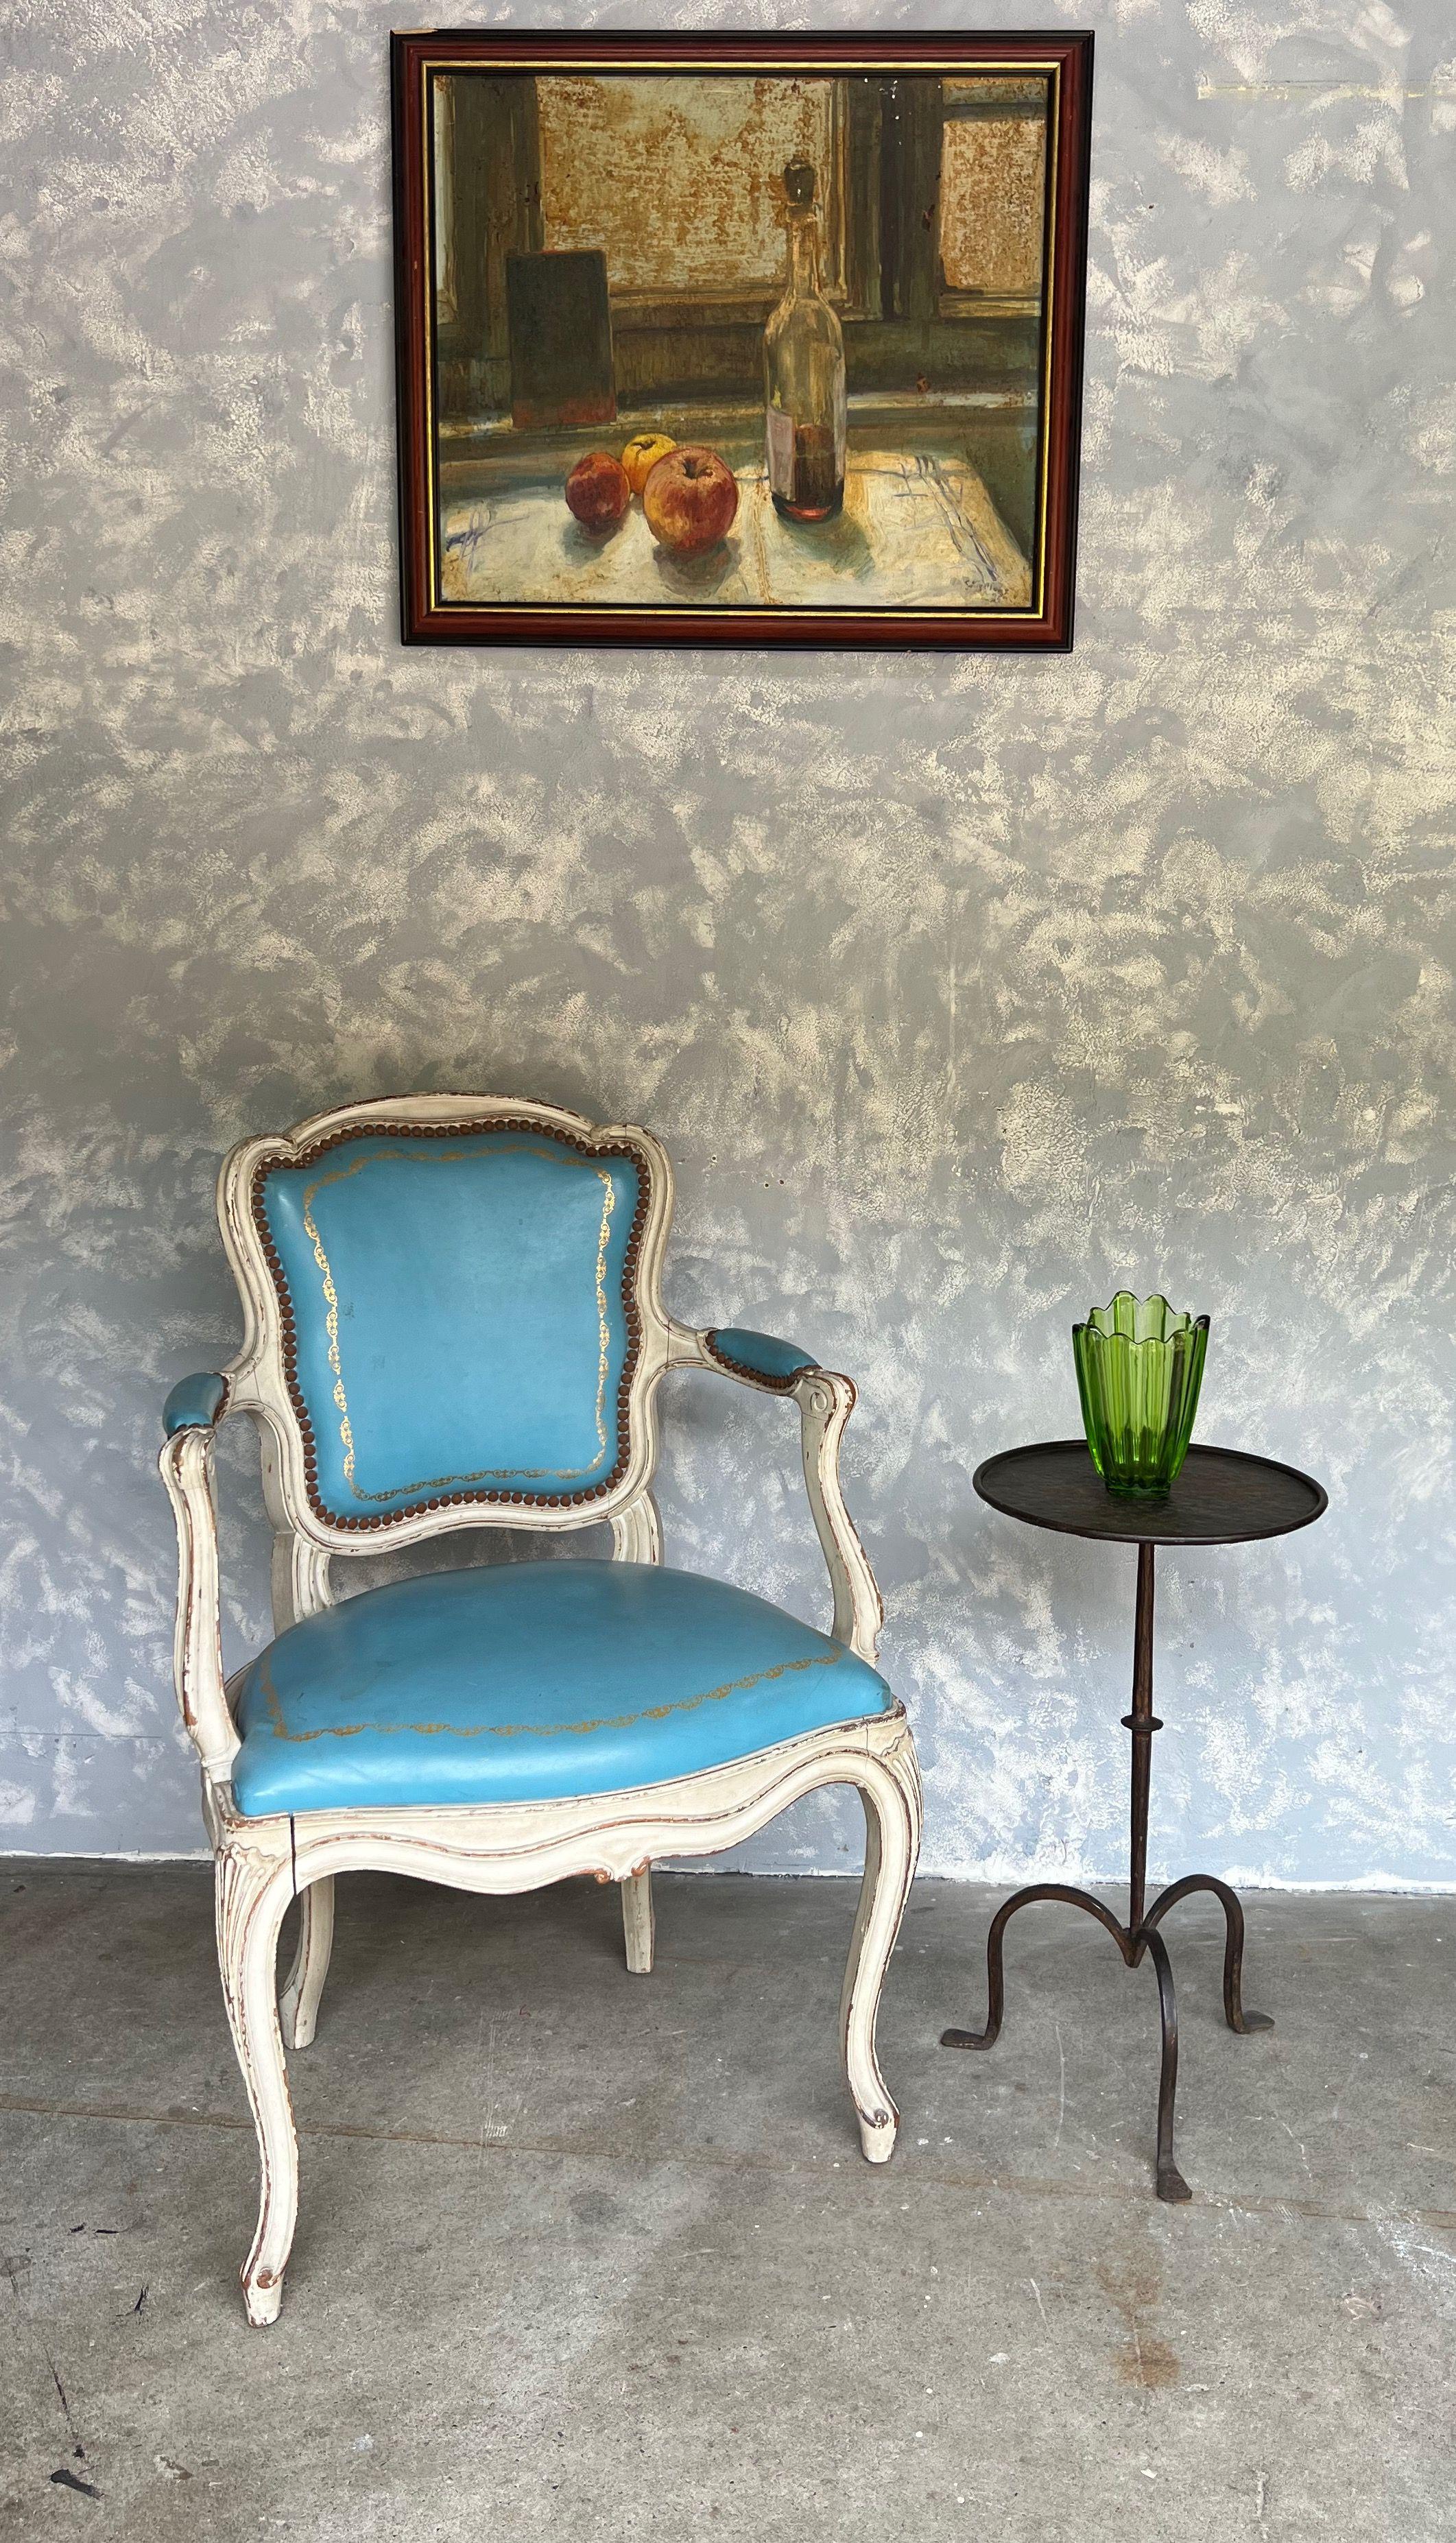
(961,989)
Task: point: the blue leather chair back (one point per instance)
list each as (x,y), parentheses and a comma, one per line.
(459,1314)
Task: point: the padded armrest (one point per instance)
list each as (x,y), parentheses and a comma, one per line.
(193,1403)
(759,1356)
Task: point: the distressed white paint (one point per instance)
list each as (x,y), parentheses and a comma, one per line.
(264,1863)
(261,1864)
(960,990)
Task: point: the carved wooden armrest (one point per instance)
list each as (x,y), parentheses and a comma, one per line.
(825,1402)
(192,1413)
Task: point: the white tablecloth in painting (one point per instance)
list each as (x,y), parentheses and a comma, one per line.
(918,531)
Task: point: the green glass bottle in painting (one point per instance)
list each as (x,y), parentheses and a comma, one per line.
(1139,1368)
(804,373)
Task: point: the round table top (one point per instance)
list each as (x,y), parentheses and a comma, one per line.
(1222,1496)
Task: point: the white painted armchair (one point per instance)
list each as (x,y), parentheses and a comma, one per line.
(453,1317)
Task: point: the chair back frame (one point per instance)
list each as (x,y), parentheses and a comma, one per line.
(260,1381)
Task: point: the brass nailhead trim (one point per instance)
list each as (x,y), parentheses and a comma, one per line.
(456,1131)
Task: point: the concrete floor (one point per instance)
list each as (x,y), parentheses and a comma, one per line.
(594,2256)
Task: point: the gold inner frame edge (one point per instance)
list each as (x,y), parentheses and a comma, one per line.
(430,65)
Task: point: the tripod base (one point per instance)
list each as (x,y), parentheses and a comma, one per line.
(1134,1941)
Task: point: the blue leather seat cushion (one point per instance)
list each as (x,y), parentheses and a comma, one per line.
(528,1682)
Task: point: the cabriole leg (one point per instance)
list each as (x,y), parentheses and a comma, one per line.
(253,1893)
(298,2005)
(639,1926)
(890,1792)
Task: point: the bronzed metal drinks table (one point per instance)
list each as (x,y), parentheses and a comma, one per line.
(1221,1498)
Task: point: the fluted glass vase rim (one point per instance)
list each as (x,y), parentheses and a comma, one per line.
(1169,1323)
(1139,1365)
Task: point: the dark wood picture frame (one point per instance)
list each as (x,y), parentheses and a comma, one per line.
(903,292)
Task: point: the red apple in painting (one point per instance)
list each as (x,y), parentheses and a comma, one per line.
(690,500)
(597,490)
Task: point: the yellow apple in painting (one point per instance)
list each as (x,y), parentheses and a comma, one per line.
(642,455)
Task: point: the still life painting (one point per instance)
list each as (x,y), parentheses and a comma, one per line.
(748,339)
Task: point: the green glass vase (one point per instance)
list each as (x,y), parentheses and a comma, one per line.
(1139,1368)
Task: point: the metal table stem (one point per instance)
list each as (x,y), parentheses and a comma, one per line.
(1140,1936)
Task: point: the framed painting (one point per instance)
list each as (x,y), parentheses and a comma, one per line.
(739,339)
